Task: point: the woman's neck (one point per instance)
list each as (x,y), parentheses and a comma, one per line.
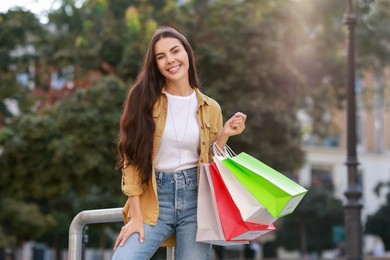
(177,89)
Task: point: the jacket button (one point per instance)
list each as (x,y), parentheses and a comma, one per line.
(203,142)
(201,160)
(202,127)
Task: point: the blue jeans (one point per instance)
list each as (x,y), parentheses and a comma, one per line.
(178,195)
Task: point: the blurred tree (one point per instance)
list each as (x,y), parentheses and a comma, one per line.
(66,151)
(373,20)
(18,29)
(10,90)
(76,36)
(108,35)
(374,55)
(20,34)
(267,58)
(301,229)
(27,221)
(245,52)
(379,222)
(321,60)
(139,27)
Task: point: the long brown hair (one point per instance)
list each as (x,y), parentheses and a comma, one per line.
(135,144)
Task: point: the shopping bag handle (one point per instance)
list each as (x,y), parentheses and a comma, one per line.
(227,152)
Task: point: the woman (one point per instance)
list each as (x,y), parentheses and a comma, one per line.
(166,130)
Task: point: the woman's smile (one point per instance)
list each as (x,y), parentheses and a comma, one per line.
(174,69)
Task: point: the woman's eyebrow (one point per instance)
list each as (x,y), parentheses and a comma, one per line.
(160,53)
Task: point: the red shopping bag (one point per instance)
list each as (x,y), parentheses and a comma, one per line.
(234,227)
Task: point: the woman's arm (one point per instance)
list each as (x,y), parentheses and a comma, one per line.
(135,225)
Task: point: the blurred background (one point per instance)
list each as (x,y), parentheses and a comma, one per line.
(67,65)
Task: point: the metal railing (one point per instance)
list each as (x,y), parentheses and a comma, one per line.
(94,217)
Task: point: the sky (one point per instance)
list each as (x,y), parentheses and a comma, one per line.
(38,7)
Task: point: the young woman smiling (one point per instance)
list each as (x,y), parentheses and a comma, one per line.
(166,130)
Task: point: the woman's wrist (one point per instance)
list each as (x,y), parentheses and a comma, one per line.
(135,208)
(222,140)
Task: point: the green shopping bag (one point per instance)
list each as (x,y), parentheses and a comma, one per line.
(276,192)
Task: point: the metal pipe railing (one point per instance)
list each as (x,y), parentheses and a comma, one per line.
(94,217)
(88,217)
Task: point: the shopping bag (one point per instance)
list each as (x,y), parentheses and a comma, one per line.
(250,209)
(234,227)
(209,225)
(279,194)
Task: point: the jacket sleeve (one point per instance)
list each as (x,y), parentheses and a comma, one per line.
(131,181)
(216,126)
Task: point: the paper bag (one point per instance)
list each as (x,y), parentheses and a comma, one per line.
(279,194)
(209,225)
(234,227)
(250,209)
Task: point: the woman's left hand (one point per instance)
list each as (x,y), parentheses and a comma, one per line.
(235,125)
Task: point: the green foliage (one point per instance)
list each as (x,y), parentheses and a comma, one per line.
(103,33)
(63,147)
(77,36)
(140,25)
(379,222)
(266,58)
(245,66)
(321,61)
(317,213)
(67,151)
(26,221)
(10,90)
(372,24)
(18,29)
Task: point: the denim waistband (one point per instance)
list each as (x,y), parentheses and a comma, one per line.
(185,173)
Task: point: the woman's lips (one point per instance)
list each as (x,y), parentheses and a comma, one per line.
(174,69)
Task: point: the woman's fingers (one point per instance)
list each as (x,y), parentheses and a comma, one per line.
(238,121)
(126,231)
(118,240)
(141,235)
(235,125)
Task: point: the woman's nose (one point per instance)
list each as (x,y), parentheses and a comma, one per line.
(170,59)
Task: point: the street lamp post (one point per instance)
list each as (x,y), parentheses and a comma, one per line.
(352,208)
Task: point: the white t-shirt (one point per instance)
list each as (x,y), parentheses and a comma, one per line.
(179,146)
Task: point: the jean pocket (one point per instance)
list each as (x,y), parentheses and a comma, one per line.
(165,184)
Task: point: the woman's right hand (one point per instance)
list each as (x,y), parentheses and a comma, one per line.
(133,226)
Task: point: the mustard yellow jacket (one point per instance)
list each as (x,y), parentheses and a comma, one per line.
(210,122)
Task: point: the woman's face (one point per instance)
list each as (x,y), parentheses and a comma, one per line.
(172,59)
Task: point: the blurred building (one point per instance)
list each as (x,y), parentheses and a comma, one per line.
(325,159)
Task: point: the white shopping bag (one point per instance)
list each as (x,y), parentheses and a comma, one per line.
(209,224)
